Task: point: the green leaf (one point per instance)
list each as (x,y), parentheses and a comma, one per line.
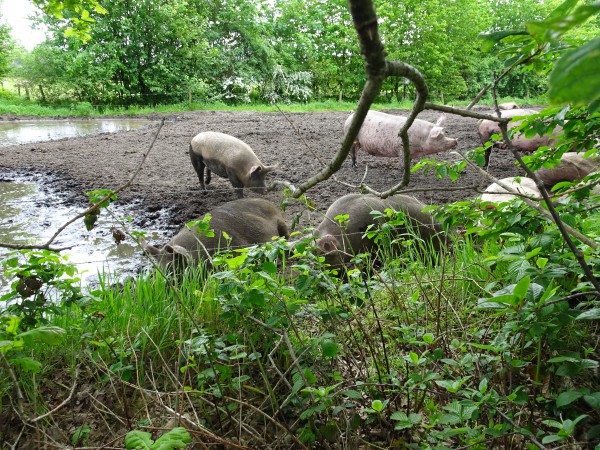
(377,405)
(593,400)
(137,439)
(50,335)
(350,393)
(522,287)
(176,438)
(329,348)
(592,314)
(27,364)
(269,267)
(80,434)
(574,78)
(566,398)
(491,39)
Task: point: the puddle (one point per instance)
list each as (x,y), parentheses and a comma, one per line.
(31,212)
(28,131)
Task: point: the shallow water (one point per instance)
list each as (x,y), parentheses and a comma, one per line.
(32,214)
(28,131)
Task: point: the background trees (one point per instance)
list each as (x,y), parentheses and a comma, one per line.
(144,52)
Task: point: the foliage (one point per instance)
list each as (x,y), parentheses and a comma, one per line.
(240,51)
(6,47)
(43,280)
(78,14)
(175,438)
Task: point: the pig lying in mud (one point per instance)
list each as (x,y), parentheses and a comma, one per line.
(229,158)
(497,194)
(378,136)
(247,221)
(338,244)
(573,166)
(508,105)
(487,128)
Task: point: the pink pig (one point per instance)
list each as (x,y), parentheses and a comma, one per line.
(378,136)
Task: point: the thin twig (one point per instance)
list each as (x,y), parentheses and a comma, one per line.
(531,438)
(64,402)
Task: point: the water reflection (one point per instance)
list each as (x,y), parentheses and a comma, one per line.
(29,214)
(24,132)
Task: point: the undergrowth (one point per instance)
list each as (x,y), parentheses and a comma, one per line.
(479,345)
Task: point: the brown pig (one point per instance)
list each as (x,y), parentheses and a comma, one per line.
(338,244)
(572,166)
(246,221)
(229,158)
(378,136)
(487,128)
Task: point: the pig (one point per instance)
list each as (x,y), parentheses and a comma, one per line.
(572,166)
(378,136)
(496,194)
(508,105)
(489,127)
(229,158)
(247,221)
(338,244)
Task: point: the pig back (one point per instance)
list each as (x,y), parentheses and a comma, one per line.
(246,222)
(572,166)
(348,239)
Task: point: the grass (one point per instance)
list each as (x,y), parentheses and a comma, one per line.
(10,103)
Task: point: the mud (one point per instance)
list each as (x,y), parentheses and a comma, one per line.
(167,184)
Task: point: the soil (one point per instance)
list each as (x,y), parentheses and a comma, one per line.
(298,142)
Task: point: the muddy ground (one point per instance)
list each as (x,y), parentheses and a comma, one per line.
(168,185)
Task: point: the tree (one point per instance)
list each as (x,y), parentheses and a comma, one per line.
(6,49)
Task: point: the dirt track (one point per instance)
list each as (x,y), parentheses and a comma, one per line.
(168,179)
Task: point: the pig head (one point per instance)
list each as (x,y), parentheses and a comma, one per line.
(379,136)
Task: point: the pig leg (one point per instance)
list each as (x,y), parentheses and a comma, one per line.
(199,165)
(355,147)
(237,184)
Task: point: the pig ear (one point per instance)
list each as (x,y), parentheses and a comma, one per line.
(436,132)
(150,249)
(441,120)
(266,169)
(178,251)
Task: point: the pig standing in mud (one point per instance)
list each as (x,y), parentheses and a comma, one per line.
(247,222)
(229,158)
(487,128)
(379,136)
(338,244)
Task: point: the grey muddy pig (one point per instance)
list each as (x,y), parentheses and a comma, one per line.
(229,158)
(378,136)
(247,221)
(572,166)
(338,244)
